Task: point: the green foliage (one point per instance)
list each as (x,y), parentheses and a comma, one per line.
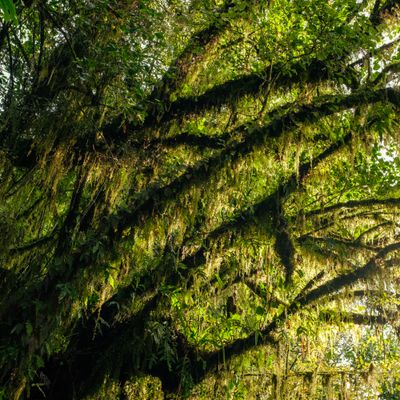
(8,9)
(199,198)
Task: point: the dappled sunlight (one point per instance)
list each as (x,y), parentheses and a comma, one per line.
(199,199)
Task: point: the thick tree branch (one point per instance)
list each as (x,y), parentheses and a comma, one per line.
(196,47)
(109,310)
(353,204)
(371,267)
(254,137)
(256,339)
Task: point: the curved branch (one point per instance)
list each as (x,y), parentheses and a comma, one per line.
(229,92)
(124,296)
(265,206)
(371,267)
(282,75)
(34,243)
(255,136)
(353,204)
(256,339)
(195,47)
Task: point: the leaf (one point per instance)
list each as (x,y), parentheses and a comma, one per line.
(219,280)
(9,12)
(259,311)
(111,281)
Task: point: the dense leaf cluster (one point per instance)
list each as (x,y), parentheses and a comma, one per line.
(199,198)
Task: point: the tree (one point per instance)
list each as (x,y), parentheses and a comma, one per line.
(196,194)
